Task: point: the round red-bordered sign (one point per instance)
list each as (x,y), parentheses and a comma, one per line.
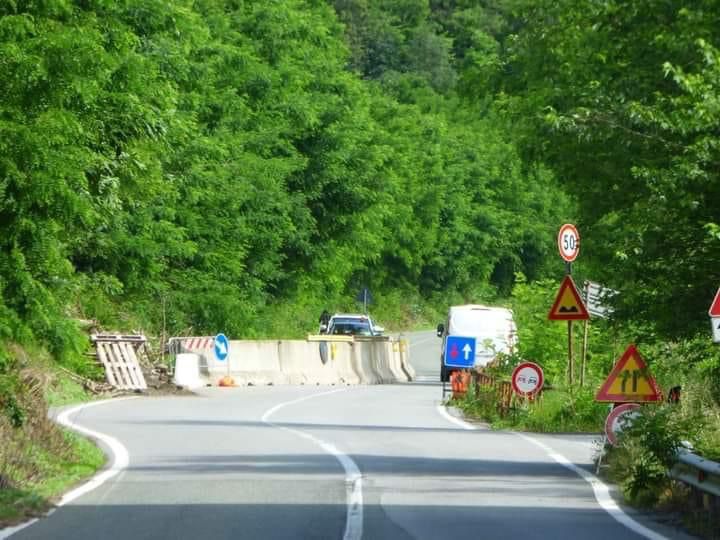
(568,241)
(616,418)
(527,378)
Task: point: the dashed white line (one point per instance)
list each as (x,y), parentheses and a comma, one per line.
(600,489)
(353,477)
(421,341)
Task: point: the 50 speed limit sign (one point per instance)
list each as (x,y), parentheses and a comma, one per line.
(568,242)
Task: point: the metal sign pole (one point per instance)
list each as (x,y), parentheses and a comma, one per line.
(584,352)
(571,363)
(571,366)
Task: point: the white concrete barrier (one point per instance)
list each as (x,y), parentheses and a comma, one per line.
(405,359)
(301,362)
(187,370)
(393,354)
(347,361)
(363,360)
(251,362)
(341,356)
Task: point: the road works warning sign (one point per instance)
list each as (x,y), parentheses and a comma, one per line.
(568,305)
(629,381)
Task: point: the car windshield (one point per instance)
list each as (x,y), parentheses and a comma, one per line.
(351,327)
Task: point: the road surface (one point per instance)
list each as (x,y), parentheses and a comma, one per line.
(377,462)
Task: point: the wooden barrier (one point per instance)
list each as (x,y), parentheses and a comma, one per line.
(117,355)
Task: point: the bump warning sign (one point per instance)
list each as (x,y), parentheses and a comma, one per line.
(568,304)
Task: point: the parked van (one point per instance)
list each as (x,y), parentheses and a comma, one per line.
(493,328)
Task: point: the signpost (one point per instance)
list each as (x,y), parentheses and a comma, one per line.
(629,381)
(365,297)
(595,296)
(618,418)
(459,352)
(568,241)
(714,313)
(527,379)
(568,305)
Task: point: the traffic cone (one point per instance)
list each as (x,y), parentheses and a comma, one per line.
(226,381)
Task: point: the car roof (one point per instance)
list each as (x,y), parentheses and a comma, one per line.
(351,316)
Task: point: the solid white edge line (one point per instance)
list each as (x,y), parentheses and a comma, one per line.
(353,477)
(120,460)
(600,489)
(450,418)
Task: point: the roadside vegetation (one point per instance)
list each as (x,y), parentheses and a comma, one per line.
(649,447)
(38,459)
(195,166)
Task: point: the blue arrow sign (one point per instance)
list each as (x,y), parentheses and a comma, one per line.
(222,347)
(460,351)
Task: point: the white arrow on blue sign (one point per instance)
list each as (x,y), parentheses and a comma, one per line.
(222,347)
(460,351)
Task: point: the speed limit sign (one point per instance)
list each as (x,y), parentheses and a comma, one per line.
(568,242)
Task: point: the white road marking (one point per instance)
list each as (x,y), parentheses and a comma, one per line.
(120,460)
(600,489)
(9,531)
(353,477)
(450,418)
(421,341)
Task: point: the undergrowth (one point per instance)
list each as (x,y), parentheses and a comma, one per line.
(38,459)
(559,410)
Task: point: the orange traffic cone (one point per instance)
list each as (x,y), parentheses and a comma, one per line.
(226,381)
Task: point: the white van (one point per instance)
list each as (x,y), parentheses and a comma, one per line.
(493,328)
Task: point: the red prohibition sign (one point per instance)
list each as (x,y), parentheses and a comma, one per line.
(568,241)
(527,378)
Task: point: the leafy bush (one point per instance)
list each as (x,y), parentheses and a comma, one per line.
(648,447)
(556,411)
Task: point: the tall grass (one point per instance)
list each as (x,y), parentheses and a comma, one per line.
(38,460)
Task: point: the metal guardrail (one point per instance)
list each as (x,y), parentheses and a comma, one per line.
(700,473)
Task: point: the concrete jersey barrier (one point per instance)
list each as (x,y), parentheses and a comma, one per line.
(262,362)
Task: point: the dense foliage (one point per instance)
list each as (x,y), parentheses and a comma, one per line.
(195,166)
(220,163)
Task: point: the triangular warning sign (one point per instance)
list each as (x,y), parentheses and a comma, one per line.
(629,381)
(568,305)
(714,310)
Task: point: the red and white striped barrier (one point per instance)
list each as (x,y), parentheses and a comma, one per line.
(178,345)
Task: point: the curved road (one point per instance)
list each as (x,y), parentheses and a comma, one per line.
(378,462)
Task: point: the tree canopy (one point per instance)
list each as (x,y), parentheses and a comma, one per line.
(220,160)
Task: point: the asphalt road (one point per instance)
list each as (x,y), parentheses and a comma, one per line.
(377,462)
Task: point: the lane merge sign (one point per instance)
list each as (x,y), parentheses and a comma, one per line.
(568,241)
(222,347)
(459,352)
(629,381)
(527,379)
(568,305)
